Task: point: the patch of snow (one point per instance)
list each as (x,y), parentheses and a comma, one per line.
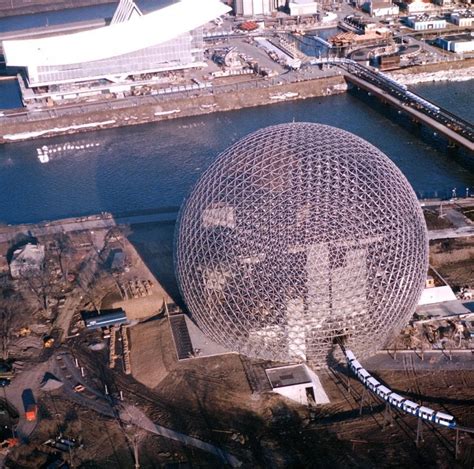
(39,133)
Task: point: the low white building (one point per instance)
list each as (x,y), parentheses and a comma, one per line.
(462,19)
(418,6)
(458,43)
(436,290)
(26,260)
(170,38)
(424,22)
(253,7)
(298,383)
(303,7)
(381,8)
(392,10)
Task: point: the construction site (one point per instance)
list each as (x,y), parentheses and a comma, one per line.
(101,367)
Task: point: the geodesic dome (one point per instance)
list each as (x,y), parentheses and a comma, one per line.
(297,235)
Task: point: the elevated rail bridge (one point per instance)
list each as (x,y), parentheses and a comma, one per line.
(401,404)
(459,132)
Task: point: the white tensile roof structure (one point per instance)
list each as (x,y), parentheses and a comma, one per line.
(116,39)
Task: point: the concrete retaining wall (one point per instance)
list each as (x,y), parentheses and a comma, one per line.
(31,127)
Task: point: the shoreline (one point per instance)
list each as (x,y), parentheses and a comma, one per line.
(99,115)
(94,221)
(33,126)
(465,74)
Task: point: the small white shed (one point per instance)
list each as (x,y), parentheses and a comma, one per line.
(298,383)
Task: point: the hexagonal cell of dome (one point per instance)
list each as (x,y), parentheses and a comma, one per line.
(299,236)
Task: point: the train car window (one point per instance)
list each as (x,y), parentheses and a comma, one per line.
(410,406)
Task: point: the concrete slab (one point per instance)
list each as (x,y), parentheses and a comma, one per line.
(200,342)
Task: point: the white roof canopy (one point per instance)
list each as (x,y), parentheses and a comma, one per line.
(114,40)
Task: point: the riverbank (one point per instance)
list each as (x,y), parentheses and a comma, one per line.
(109,114)
(50,123)
(462,70)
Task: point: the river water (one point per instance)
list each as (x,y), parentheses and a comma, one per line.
(154,166)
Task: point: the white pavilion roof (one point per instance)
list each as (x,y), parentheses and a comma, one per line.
(116,39)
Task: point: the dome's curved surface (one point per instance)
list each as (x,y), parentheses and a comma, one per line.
(296,235)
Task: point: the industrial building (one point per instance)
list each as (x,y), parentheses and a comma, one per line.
(458,43)
(104,318)
(417,6)
(425,22)
(167,39)
(27,260)
(255,7)
(303,7)
(463,19)
(381,8)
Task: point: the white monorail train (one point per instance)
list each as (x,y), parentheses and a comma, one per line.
(422,101)
(394,399)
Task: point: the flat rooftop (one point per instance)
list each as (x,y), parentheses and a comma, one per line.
(287,376)
(464,14)
(459,37)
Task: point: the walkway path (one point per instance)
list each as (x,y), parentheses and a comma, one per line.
(131,414)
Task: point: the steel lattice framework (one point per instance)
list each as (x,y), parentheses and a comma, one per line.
(299,234)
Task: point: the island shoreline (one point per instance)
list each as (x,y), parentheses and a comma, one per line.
(30,126)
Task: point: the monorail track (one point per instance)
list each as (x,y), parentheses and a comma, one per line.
(401,405)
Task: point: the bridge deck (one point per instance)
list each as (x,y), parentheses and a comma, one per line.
(454,128)
(415,113)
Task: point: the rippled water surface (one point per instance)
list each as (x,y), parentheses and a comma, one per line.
(155,165)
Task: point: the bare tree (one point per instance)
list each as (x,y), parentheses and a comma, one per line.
(134,432)
(6,317)
(64,251)
(40,284)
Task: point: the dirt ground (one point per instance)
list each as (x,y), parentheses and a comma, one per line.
(210,398)
(152,351)
(454,260)
(433,220)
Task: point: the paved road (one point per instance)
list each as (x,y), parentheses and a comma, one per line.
(97,222)
(133,415)
(66,370)
(416,114)
(90,223)
(461,202)
(462,232)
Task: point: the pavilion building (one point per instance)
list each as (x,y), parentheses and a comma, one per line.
(132,44)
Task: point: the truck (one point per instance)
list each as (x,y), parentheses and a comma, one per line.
(30,405)
(31,412)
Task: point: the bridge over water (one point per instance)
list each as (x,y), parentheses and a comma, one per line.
(458,131)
